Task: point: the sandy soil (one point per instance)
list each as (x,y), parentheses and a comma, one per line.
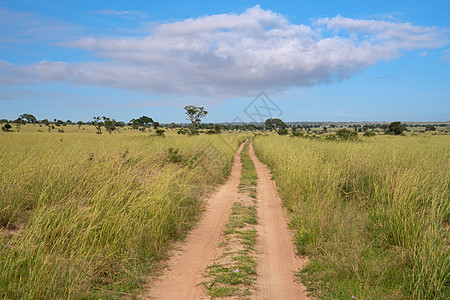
(277,261)
(182,279)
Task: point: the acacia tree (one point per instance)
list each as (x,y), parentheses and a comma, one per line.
(98,124)
(110,125)
(275,124)
(195,115)
(29,118)
(142,121)
(395,128)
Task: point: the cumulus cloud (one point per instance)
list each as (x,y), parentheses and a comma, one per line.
(234,54)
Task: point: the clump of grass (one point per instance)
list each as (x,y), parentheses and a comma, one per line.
(248,174)
(234,272)
(372,216)
(97,211)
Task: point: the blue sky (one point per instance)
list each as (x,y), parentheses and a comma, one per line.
(318,61)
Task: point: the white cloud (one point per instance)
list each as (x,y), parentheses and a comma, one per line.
(389,34)
(235,54)
(110,12)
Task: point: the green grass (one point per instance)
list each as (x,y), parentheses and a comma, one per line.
(234,272)
(373,216)
(248,174)
(87,216)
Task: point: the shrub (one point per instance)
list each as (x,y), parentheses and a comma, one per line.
(283,131)
(212,131)
(430,128)
(7,127)
(160,132)
(345,134)
(297,133)
(369,133)
(183,131)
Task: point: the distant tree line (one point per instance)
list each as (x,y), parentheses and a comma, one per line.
(195,114)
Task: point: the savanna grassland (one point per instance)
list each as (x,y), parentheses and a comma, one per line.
(372,215)
(86,216)
(89,216)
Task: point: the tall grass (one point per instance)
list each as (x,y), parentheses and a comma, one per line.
(372,215)
(86,215)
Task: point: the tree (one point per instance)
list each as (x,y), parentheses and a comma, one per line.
(195,115)
(29,118)
(60,122)
(79,124)
(275,124)
(395,128)
(110,125)
(98,124)
(144,120)
(134,123)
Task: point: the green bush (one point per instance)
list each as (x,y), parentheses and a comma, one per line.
(369,133)
(7,127)
(297,133)
(283,131)
(345,134)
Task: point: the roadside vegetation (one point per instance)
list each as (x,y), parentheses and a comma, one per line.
(87,215)
(372,216)
(234,272)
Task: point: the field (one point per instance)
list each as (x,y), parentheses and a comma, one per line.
(84,214)
(373,216)
(90,216)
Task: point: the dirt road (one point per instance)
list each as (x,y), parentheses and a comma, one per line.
(182,279)
(277,261)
